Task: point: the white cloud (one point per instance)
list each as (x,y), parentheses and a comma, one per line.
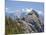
(18,13)
(6,9)
(28,10)
(39,12)
(23,10)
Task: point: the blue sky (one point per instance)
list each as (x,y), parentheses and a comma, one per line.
(14,6)
(18,5)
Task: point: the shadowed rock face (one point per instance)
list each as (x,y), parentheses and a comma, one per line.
(27,24)
(33,18)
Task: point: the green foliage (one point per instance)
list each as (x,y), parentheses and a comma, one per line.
(19,26)
(13,26)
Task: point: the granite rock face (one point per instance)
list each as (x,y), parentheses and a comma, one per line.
(27,24)
(33,21)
